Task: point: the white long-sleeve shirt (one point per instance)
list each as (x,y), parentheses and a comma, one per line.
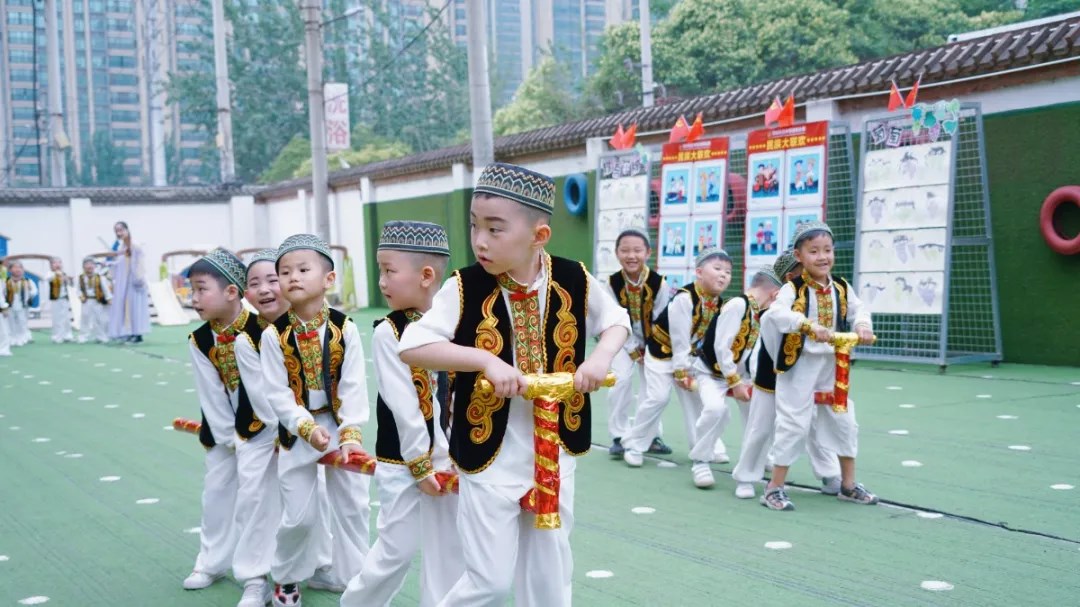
(637,338)
(351,389)
(251,373)
(25,292)
(64,281)
(787,320)
(86,287)
(513,465)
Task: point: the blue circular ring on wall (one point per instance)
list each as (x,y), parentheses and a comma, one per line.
(576,194)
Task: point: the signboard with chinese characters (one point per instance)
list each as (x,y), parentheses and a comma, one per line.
(786,174)
(336,103)
(622,202)
(693,200)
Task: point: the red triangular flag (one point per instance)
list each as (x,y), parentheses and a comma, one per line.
(773,113)
(910,101)
(696,130)
(679,131)
(630,137)
(787,115)
(895,100)
(618,140)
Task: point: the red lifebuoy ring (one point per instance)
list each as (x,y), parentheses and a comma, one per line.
(1057,242)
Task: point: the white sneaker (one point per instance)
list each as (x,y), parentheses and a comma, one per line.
(744,491)
(324,580)
(703,478)
(720,455)
(633,458)
(199,580)
(830,485)
(256,593)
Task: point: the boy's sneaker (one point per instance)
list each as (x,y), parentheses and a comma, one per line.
(199,580)
(720,455)
(616,449)
(634,459)
(830,485)
(286,595)
(745,491)
(858,495)
(256,593)
(658,447)
(703,477)
(324,580)
(776,499)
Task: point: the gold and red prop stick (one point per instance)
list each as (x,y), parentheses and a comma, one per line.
(360,463)
(843,343)
(546,391)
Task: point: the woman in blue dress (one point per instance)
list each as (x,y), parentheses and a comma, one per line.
(129,313)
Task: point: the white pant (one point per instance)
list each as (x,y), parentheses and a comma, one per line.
(658,385)
(621,397)
(258,506)
(300,543)
(714,417)
(5,339)
(758,438)
(61,320)
(501,547)
(217,541)
(795,411)
(94,321)
(19,327)
(408,521)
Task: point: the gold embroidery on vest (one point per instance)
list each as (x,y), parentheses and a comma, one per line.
(337,358)
(565,337)
(481,409)
(292,367)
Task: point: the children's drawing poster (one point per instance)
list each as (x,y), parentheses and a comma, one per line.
(914,165)
(693,201)
(903,251)
(911,207)
(673,247)
(902,292)
(786,170)
(622,201)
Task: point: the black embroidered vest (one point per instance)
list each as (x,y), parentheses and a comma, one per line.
(333,355)
(659,341)
(741,346)
(650,288)
(56,285)
(247,423)
(791,344)
(95,282)
(388,441)
(479,424)
(765,374)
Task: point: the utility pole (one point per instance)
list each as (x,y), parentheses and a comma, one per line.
(647,85)
(483,144)
(56,137)
(221,80)
(312,11)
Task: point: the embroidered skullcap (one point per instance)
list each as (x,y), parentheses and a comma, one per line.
(300,242)
(811,229)
(90,259)
(519,184)
(228,264)
(768,272)
(262,255)
(634,232)
(710,253)
(785,263)
(414,237)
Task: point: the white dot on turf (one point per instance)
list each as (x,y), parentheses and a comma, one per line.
(1006,417)
(61,452)
(930,515)
(4,557)
(936,585)
(166,427)
(111,406)
(898,432)
(1020,447)
(86,398)
(642,510)
(44,382)
(907,406)
(15,428)
(910,463)
(1061,487)
(147,501)
(189,390)
(778,545)
(1,416)
(599,574)
(894,388)
(34,600)
(163,383)
(73,455)
(138,415)
(666,464)
(28,377)
(66,356)
(984,396)
(988,377)
(1075,383)
(99,364)
(193,530)
(109,479)
(136,376)
(66,391)
(11,386)
(42,439)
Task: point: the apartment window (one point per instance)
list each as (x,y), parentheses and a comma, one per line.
(189,153)
(97,6)
(22,75)
(21,56)
(125,134)
(19,37)
(124,98)
(20,2)
(26,170)
(121,61)
(119,6)
(24,131)
(125,116)
(119,25)
(193,135)
(20,18)
(189,65)
(187,29)
(122,43)
(22,113)
(21,94)
(132,170)
(123,79)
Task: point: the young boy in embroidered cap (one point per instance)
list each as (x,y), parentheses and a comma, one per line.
(95,295)
(60,306)
(412,443)
(643,293)
(240,501)
(725,364)
(518,310)
(815,304)
(20,292)
(264,288)
(314,379)
(758,429)
(676,338)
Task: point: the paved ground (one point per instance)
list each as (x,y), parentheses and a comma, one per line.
(100,500)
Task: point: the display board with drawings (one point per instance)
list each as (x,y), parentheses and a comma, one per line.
(904,228)
(693,197)
(622,202)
